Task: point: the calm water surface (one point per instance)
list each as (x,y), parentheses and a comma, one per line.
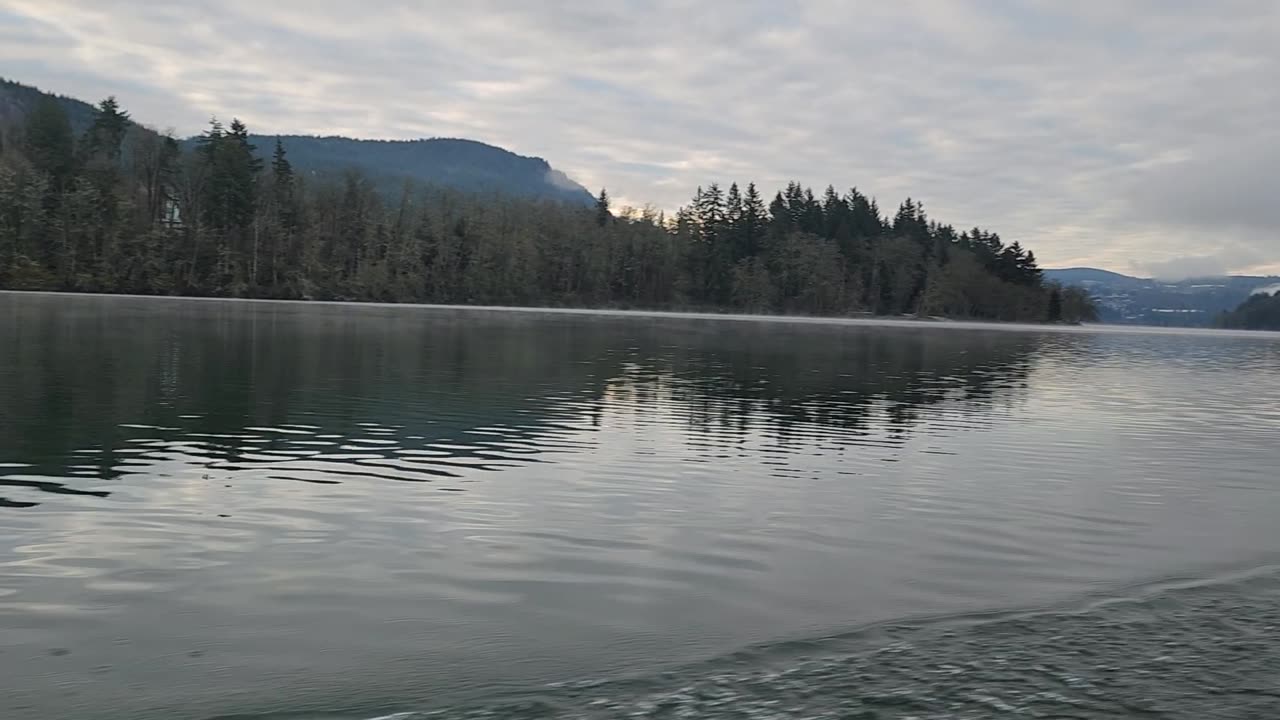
(214,509)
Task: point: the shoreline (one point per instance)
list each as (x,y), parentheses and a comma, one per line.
(867,319)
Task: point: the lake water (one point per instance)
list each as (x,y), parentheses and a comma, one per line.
(213,509)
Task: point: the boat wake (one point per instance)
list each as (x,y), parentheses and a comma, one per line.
(1191,651)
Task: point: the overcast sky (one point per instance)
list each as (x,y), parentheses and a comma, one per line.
(1136,135)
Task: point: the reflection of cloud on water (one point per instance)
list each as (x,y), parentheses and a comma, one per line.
(247,387)
(632,489)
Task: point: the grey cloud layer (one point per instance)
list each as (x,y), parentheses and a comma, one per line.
(1130,135)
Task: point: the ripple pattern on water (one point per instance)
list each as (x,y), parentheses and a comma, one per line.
(1207,651)
(224,508)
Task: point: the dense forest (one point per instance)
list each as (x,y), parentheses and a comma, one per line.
(121,209)
(1259,312)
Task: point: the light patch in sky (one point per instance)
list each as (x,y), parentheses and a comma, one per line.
(1136,136)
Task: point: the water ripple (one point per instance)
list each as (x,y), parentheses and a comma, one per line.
(223,508)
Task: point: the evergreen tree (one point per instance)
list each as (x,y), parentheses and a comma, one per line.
(795,205)
(811,218)
(282,186)
(603,216)
(242,166)
(49,144)
(106,135)
(711,213)
(101,150)
(752,224)
(281,169)
(733,211)
(780,221)
(210,147)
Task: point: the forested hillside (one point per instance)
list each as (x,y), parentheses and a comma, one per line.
(18,100)
(1259,312)
(116,209)
(459,164)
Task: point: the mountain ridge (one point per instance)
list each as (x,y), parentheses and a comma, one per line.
(1191,302)
(1100,274)
(459,163)
(17,99)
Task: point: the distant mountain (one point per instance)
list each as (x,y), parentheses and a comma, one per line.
(1195,302)
(1082,276)
(461,164)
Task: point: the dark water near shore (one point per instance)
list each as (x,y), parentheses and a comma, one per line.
(213,509)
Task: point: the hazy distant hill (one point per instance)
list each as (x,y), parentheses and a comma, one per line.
(1194,302)
(1081,276)
(462,164)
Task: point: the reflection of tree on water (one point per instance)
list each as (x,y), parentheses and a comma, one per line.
(219,381)
(99,388)
(743,376)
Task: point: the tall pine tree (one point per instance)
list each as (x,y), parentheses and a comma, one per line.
(50,145)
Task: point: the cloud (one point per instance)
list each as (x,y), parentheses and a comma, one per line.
(1223,193)
(1117,134)
(560,180)
(1199,266)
